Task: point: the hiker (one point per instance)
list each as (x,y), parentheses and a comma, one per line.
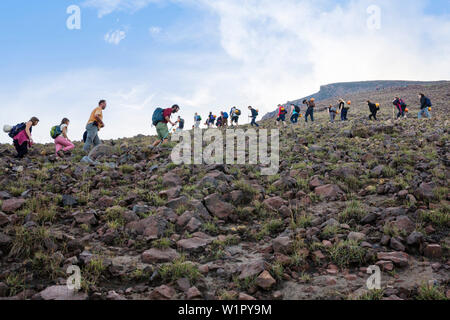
(373,110)
(180,124)
(310,111)
(224,119)
(425,106)
(295,114)
(235,113)
(219,122)
(22,138)
(62,142)
(401,107)
(160,119)
(343,109)
(282,114)
(211,120)
(253,116)
(197,120)
(94,125)
(333,112)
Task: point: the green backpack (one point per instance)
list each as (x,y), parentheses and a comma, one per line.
(55,132)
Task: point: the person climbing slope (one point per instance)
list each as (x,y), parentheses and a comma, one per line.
(197,120)
(373,108)
(95,123)
(235,113)
(295,114)
(180,122)
(225,117)
(310,110)
(21,135)
(160,119)
(253,116)
(62,143)
(282,114)
(333,112)
(425,106)
(343,109)
(401,107)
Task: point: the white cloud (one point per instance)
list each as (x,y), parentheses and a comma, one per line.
(106,7)
(154,30)
(115,37)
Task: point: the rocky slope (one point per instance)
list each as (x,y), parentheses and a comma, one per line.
(342,90)
(348,195)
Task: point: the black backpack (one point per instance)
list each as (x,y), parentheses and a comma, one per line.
(297,109)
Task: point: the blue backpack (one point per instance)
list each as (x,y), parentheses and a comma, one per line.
(17,129)
(225,115)
(55,132)
(428,102)
(158,116)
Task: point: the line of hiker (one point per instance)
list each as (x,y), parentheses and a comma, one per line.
(22,133)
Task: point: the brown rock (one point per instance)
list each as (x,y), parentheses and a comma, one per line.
(217,207)
(274,203)
(432,251)
(4,219)
(163,293)
(398,258)
(193,244)
(251,269)
(329,192)
(403,223)
(171,180)
(12,205)
(87,218)
(265,281)
(282,245)
(193,293)
(160,256)
(245,297)
(61,293)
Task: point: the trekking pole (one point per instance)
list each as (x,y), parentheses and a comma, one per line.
(167,135)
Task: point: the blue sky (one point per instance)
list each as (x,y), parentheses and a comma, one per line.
(204,55)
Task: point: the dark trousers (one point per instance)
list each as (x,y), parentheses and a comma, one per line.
(22,150)
(373,115)
(253,123)
(294,118)
(401,112)
(310,113)
(344,114)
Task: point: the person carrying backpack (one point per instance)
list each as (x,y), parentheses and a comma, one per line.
(295,114)
(373,110)
(282,114)
(22,138)
(197,121)
(95,123)
(425,106)
(235,113)
(343,109)
(160,119)
(211,120)
(401,107)
(253,116)
(333,110)
(62,142)
(180,122)
(219,121)
(310,111)
(225,117)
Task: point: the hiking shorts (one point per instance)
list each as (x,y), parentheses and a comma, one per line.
(162,130)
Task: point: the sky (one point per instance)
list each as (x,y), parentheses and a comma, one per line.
(205,55)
